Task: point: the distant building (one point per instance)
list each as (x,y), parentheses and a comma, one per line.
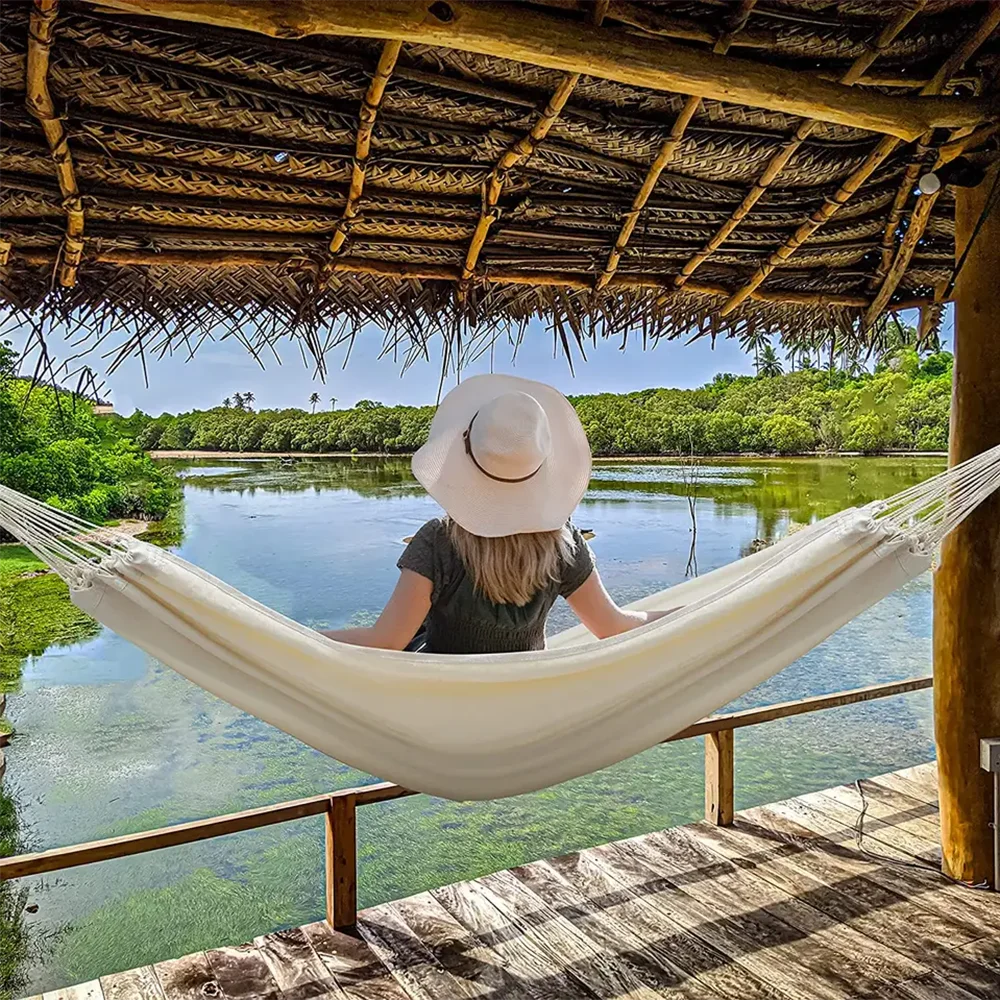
(102,407)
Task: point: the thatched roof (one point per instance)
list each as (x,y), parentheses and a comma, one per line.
(208,164)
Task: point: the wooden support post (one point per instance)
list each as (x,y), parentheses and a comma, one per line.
(967,584)
(719,777)
(341,863)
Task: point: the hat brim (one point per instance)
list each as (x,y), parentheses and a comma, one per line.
(482,505)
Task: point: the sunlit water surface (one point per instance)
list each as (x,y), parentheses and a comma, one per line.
(113,742)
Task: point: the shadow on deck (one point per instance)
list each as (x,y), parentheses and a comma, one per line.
(781,905)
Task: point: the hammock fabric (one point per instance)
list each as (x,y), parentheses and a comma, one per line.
(487,726)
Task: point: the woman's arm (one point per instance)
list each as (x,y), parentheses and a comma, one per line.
(595,608)
(400,619)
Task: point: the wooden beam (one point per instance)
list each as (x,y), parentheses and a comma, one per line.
(38,100)
(438,272)
(342,863)
(914,233)
(5,248)
(967,582)
(517,153)
(720,779)
(887,146)
(557,42)
(369,111)
(783,156)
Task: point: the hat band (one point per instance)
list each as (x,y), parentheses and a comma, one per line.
(489,475)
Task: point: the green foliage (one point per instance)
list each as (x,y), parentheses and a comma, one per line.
(904,405)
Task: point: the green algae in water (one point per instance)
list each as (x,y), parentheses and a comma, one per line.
(117,743)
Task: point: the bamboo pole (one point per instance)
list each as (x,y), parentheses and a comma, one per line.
(918,223)
(892,267)
(886,147)
(517,153)
(369,111)
(543,39)
(783,156)
(38,100)
(436,272)
(967,582)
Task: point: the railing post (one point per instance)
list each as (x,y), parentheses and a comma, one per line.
(719,762)
(341,863)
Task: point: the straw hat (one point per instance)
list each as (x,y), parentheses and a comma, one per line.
(505,456)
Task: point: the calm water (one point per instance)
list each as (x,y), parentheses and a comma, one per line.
(113,742)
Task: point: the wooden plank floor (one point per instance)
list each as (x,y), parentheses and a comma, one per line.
(781,906)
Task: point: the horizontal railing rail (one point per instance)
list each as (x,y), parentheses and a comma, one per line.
(340,807)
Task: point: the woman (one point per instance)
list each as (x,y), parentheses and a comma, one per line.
(508,460)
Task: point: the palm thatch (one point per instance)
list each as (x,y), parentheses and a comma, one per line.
(171,176)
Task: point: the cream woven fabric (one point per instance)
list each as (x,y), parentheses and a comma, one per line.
(486,726)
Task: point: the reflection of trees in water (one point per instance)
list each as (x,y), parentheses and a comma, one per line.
(800,490)
(368,477)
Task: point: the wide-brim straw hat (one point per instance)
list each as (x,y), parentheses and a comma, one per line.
(505,456)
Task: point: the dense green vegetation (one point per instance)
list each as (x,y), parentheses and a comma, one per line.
(903,404)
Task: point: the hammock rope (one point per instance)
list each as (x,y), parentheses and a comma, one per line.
(491,725)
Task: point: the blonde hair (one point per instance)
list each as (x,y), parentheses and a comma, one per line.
(513,568)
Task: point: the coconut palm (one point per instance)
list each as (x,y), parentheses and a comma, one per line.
(754,339)
(333,402)
(227,402)
(238,400)
(770,365)
(248,399)
(314,399)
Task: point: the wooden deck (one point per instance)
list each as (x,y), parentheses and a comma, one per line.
(782,905)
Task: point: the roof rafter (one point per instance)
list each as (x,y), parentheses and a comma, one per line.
(666,153)
(368,113)
(882,151)
(783,156)
(557,42)
(38,100)
(429,272)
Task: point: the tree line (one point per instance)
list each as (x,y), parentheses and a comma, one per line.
(903,404)
(54,448)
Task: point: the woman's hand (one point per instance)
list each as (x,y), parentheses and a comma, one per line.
(400,619)
(595,608)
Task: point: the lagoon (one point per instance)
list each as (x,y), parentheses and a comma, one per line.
(112,742)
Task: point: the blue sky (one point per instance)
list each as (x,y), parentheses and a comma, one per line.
(223,367)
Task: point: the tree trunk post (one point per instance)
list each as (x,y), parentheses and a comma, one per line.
(719,777)
(967,584)
(341,863)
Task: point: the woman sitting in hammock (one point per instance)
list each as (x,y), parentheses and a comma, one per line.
(508,460)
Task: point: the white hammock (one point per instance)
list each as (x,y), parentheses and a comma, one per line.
(486,726)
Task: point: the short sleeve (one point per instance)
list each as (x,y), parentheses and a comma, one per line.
(423,555)
(579,567)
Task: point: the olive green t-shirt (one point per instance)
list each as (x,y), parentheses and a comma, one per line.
(462,619)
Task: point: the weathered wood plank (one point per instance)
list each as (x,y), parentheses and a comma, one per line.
(84,991)
(933,987)
(735,935)
(842,960)
(834,843)
(411,961)
(294,965)
(359,973)
(905,785)
(618,918)
(187,978)
(886,918)
(530,964)
(242,973)
(891,807)
(602,971)
(136,984)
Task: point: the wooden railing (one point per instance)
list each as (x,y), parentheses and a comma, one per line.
(340,807)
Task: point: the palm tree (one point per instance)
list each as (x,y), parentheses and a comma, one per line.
(314,399)
(248,399)
(238,400)
(770,365)
(753,340)
(227,402)
(333,402)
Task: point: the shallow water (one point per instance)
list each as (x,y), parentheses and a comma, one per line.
(112,742)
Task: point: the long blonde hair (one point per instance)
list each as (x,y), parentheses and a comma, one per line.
(513,568)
